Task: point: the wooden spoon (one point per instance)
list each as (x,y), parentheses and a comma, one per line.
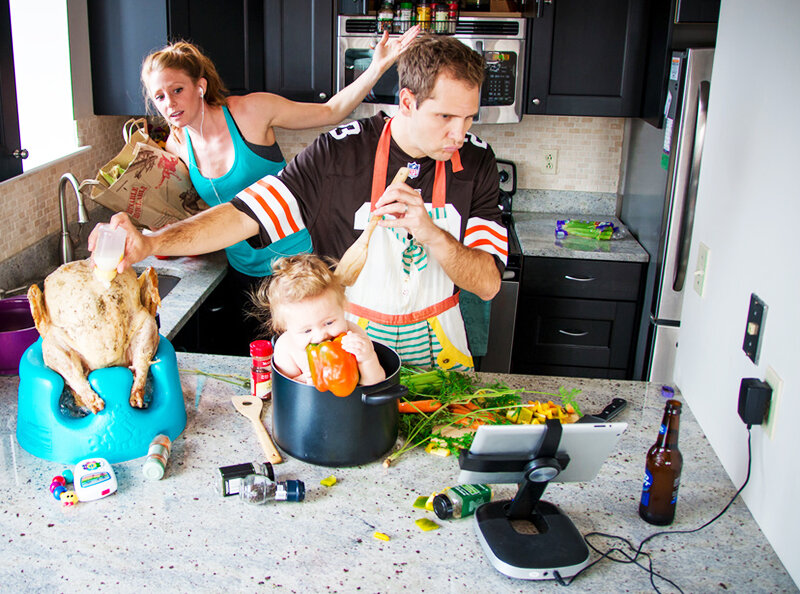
(250,407)
(355,257)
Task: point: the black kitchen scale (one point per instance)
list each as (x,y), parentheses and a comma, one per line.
(527,538)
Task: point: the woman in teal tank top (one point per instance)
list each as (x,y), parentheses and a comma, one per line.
(228,142)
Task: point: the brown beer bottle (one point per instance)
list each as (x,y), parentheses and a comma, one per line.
(662,473)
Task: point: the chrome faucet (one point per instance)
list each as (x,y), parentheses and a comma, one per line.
(66,240)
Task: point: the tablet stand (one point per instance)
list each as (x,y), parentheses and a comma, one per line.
(528,538)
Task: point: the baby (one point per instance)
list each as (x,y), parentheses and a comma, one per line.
(307,306)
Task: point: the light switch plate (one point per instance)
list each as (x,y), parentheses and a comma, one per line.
(754,331)
(701,270)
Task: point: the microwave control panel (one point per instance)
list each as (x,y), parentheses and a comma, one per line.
(499,86)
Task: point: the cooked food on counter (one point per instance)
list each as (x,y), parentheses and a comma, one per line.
(87,325)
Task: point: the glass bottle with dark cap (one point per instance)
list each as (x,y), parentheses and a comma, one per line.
(662,474)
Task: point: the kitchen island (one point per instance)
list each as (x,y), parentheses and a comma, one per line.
(178,534)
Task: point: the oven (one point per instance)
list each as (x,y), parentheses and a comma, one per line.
(501,41)
(504,306)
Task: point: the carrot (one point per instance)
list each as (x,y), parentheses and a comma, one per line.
(471,405)
(419,406)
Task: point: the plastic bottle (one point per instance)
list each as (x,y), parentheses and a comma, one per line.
(260,489)
(662,474)
(461,501)
(157,456)
(261,369)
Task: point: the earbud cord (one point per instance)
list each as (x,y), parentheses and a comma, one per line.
(202,120)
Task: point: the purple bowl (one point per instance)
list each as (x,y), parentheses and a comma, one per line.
(17,332)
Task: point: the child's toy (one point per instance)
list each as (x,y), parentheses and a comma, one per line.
(58,487)
(117,433)
(69,498)
(94,479)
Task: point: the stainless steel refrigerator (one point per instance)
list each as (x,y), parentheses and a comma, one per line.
(658,198)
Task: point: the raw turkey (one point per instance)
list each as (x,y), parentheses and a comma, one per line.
(88,324)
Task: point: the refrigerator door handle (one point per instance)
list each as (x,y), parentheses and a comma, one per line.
(687,217)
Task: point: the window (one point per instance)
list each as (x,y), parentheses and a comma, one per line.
(42,76)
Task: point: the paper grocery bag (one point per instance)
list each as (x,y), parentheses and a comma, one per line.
(148,183)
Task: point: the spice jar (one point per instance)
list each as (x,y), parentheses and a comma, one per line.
(261,369)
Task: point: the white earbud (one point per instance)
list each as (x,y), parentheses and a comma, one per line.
(202,92)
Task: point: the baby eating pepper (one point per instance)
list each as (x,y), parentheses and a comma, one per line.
(307,306)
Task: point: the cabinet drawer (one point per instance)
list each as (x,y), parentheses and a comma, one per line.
(572,333)
(583,279)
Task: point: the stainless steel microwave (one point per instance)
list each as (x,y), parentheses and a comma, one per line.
(501,41)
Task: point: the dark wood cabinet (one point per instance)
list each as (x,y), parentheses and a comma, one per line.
(587,57)
(576,318)
(122,33)
(674,25)
(299,49)
(282,46)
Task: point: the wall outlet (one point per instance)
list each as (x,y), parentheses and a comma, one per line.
(776,383)
(550,161)
(700,271)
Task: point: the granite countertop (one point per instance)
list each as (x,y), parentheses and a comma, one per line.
(536,232)
(178,534)
(199,275)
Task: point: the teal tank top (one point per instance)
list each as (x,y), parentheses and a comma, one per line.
(248,167)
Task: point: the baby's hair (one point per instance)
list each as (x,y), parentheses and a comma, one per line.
(294,279)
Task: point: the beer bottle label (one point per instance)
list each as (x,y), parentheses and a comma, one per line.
(675,486)
(648,482)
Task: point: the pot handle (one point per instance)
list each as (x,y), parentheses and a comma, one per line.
(384,395)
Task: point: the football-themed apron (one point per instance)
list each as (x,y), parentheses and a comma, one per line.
(403,298)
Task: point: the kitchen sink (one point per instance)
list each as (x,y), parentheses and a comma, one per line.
(166,282)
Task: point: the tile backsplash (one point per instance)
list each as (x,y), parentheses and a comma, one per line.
(29,202)
(589,150)
(589,155)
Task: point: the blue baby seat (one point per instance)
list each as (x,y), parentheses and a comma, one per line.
(117,433)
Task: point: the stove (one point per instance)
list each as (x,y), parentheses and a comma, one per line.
(504,305)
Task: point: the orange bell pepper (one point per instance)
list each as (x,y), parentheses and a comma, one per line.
(332,367)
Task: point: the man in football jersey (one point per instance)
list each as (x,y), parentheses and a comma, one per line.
(438,231)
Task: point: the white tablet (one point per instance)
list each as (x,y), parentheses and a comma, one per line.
(587,445)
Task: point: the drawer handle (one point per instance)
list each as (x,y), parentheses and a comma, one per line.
(575,334)
(580,280)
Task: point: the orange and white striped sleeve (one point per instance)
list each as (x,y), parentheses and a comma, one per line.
(489,236)
(273,206)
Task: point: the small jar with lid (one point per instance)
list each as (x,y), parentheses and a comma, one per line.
(424,15)
(261,369)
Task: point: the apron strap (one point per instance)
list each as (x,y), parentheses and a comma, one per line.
(381,167)
(409,318)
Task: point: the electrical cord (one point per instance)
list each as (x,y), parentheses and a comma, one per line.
(628,558)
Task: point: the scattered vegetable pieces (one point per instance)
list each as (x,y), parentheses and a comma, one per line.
(328,482)
(536,413)
(420,502)
(380,536)
(419,406)
(231,378)
(426,525)
(445,408)
(435,449)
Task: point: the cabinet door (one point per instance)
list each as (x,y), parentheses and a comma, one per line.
(299,59)
(587,57)
(572,332)
(121,34)
(230,33)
